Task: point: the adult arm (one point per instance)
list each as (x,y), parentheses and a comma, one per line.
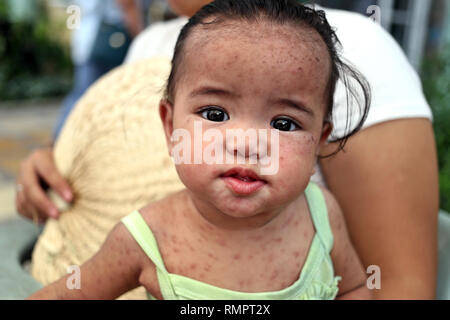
(386,182)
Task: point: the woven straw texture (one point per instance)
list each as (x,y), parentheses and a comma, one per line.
(113,152)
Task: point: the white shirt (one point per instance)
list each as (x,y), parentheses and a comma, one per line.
(396,87)
(157,41)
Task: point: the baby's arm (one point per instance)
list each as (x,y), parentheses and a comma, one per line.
(345,259)
(112,271)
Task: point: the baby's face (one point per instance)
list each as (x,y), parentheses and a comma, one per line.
(251,77)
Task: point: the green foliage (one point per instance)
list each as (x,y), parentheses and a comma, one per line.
(436,82)
(32,64)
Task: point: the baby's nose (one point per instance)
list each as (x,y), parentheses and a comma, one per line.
(242,145)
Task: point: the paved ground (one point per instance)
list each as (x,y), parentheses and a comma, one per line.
(24,126)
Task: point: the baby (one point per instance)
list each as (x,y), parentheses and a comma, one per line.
(239,231)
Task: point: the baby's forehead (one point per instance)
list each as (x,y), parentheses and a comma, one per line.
(265,49)
(259,38)
(252,32)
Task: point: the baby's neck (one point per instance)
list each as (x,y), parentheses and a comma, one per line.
(206,220)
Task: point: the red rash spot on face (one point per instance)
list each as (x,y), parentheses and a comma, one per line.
(237,256)
(296,254)
(222,243)
(279,240)
(193,266)
(255,238)
(207,268)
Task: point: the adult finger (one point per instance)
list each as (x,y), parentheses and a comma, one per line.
(32,195)
(39,203)
(28,211)
(44,165)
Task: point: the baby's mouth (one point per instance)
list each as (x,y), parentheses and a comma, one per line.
(243,181)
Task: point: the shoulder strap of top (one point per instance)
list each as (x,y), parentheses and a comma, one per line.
(319,213)
(141,232)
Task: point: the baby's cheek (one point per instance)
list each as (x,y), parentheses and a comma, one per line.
(306,144)
(196,176)
(301,147)
(188,175)
(298,155)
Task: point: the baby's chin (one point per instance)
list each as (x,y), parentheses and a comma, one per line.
(239,207)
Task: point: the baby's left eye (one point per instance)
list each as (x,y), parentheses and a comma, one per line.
(284,124)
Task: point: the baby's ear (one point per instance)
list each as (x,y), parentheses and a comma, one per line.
(166,114)
(326,131)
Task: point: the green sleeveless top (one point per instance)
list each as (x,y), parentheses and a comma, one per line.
(316,280)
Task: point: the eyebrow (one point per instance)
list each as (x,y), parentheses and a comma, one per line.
(297,105)
(208,90)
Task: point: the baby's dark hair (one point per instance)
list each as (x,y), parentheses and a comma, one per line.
(283,12)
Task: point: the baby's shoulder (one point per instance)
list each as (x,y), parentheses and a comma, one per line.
(155,215)
(333,207)
(335,215)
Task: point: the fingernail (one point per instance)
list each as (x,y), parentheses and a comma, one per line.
(53,213)
(67,195)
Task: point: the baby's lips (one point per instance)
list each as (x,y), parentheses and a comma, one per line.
(242,173)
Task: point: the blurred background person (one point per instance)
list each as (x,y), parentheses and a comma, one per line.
(100,42)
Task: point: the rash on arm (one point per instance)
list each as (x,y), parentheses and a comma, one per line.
(111,272)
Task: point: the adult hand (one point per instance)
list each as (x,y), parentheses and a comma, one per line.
(38,173)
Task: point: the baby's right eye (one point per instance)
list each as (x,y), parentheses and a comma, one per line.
(214,114)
